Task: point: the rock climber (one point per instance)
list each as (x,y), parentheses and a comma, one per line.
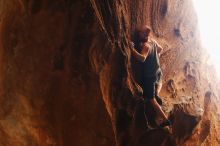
(147,50)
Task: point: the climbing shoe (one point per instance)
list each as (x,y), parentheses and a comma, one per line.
(165,123)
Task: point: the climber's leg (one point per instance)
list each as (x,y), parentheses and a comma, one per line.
(149,95)
(161,113)
(158,86)
(158,109)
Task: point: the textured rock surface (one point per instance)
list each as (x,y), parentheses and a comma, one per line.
(66,74)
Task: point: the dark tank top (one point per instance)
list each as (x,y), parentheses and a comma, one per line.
(151,66)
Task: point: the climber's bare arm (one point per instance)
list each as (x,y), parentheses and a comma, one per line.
(141,56)
(159,49)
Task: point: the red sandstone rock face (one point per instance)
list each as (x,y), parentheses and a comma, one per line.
(67,77)
(49,93)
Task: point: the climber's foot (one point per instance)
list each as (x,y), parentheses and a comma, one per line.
(165,123)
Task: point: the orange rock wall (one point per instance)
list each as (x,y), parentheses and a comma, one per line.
(67,77)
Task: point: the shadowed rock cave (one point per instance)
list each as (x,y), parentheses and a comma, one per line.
(67,77)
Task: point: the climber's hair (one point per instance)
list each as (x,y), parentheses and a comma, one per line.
(136,32)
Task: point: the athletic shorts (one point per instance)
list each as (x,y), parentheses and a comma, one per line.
(150,85)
